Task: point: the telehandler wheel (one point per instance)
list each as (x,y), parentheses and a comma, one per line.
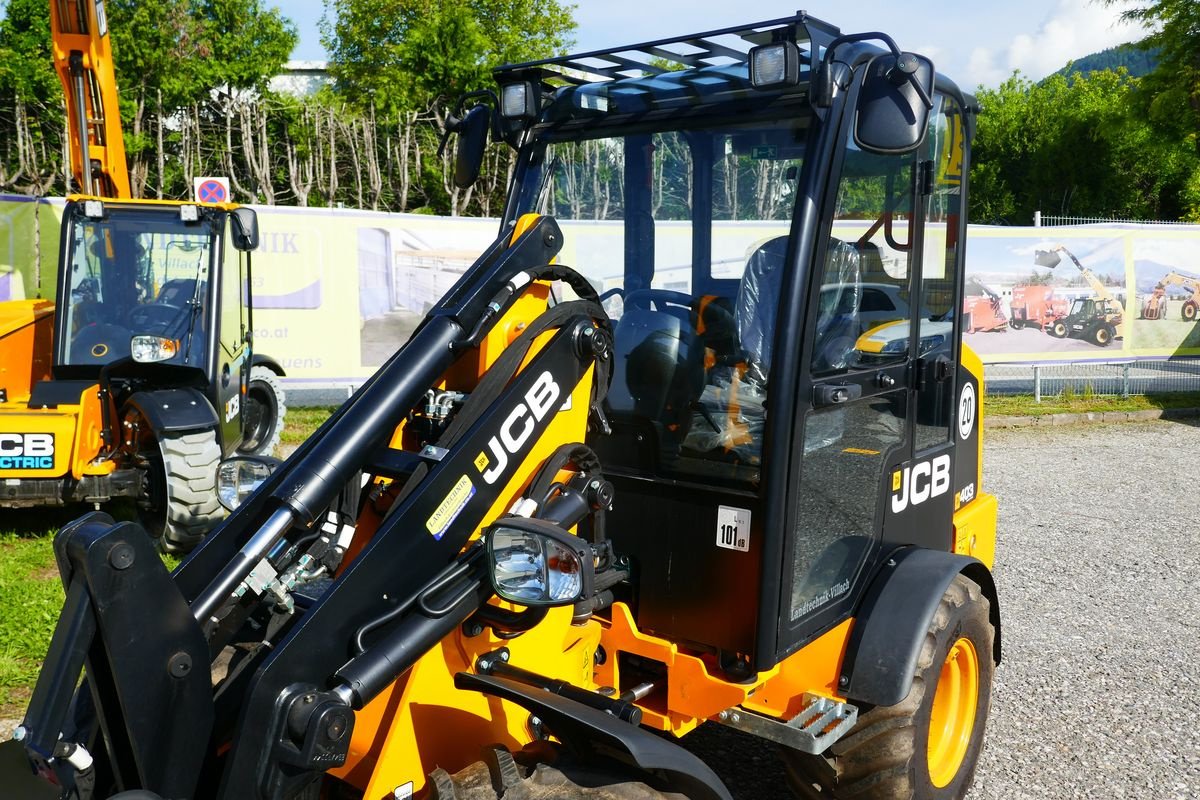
(499,775)
(1103,336)
(263,412)
(928,745)
(182,489)
(1189,311)
(1058,329)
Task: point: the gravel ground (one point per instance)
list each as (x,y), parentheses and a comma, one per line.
(1098,569)
(1098,695)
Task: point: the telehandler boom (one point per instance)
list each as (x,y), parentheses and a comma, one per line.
(584,505)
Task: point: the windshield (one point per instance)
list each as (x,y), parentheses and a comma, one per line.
(136,272)
(683,233)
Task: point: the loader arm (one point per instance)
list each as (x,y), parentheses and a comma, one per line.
(267,722)
(1095,283)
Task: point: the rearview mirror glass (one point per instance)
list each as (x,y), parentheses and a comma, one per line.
(472,142)
(244,228)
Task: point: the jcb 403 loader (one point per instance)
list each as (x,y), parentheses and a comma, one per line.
(585,504)
(143,374)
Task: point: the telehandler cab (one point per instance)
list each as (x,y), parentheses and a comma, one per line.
(585,504)
(142,375)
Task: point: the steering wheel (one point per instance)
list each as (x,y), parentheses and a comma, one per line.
(153,316)
(641,298)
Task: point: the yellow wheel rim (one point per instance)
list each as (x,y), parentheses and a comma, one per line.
(952,719)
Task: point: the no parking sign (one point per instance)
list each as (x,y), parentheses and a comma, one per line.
(211,190)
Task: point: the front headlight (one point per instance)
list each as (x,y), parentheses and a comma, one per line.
(151,349)
(537,563)
(239,477)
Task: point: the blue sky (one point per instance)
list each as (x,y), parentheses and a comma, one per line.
(974,43)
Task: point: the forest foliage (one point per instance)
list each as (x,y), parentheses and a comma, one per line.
(194,84)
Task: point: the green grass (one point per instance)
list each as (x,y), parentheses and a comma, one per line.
(1084,401)
(31,596)
(301,422)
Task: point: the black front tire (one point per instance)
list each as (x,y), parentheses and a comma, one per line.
(886,755)
(180,504)
(263,412)
(1058,329)
(499,775)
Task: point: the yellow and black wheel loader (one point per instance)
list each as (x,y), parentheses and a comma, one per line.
(585,509)
(142,375)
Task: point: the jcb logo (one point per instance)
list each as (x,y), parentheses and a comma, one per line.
(918,483)
(518,427)
(26,451)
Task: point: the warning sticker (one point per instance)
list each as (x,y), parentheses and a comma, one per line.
(733,528)
(450,507)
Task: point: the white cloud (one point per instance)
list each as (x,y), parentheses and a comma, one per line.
(1075,28)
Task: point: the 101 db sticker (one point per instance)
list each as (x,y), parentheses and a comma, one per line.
(733,528)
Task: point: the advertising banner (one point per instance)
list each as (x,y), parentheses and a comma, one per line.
(337,291)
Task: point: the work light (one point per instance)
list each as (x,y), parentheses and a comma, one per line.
(519,100)
(537,563)
(775,64)
(238,477)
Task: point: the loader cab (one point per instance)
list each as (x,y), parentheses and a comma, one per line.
(153,295)
(782,288)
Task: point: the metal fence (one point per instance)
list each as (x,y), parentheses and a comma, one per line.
(1119,379)
(1041,220)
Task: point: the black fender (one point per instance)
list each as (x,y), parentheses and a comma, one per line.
(895,613)
(174,410)
(260,360)
(589,732)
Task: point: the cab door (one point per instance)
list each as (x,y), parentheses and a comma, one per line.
(876,467)
(232,350)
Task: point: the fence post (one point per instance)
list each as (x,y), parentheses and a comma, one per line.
(1125,381)
(1037,383)
(1037,219)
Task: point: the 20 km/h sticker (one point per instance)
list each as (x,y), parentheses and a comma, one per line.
(733,528)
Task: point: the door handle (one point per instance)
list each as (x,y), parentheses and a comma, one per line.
(831,394)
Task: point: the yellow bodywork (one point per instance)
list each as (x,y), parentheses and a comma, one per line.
(975,520)
(26,344)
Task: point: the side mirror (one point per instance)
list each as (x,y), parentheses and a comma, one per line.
(240,476)
(472,132)
(536,563)
(894,103)
(245,228)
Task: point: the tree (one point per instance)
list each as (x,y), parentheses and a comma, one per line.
(1172,96)
(171,54)
(408,54)
(31,94)
(1076,146)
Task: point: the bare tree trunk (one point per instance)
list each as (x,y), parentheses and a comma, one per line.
(162,158)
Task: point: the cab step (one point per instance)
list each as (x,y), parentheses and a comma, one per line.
(820,723)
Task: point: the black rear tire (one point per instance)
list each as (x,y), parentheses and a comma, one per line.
(263,412)
(886,755)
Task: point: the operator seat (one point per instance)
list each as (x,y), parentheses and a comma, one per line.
(757,300)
